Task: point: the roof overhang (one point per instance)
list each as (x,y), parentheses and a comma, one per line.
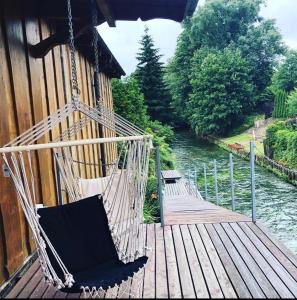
(110,11)
(118,10)
(131,10)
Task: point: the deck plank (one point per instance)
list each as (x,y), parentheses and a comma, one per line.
(203,260)
(233,273)
(283,274)
(149,274)
(172,270)
(187,287)
(284,257)
(274,279)
(74,296)
(255,269)
(161,272)
(222,277)
(194,264)
(237,258)
(32,284)
(39,290)
(20,285)
(60,295)
(183,208)
(49,293)
(209,274)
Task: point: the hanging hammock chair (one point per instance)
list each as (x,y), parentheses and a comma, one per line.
(91,243)
(96,239)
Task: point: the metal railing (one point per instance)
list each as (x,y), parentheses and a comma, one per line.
(212,174)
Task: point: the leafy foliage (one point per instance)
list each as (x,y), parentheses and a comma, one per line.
(221,91)
(286,76)
(177,75)
(150,77)
(129,101)
(292,104)
(280,106)
(218,27)
(260,47)
(281,142)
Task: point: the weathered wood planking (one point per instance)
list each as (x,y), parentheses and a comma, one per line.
(170,174)
(188,261)
(31,89)
(182,208)
(11,252)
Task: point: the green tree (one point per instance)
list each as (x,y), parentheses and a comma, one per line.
(286,76)
(220,25)
(215,26)
(150,76)
(221,22)
(178,75)
(221,91)
(261,46)
(129,101)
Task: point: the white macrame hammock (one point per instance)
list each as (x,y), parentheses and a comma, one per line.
(123,189)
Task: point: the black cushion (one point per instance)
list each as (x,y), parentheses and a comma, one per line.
(80,234)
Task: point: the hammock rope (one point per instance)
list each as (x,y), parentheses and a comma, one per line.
(122,189)
(123,199)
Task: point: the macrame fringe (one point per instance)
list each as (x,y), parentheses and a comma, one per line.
(122,291)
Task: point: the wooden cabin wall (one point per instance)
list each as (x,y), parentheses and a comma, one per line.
(31,89)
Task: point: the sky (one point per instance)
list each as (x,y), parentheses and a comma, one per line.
(123,40)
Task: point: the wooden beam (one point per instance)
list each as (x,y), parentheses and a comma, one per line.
(41,49)
(107,12)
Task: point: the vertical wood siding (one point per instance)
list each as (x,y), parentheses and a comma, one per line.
(30,90)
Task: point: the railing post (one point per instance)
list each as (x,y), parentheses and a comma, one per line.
(160,190)
(232,181)
(196,184)
(189,182)
(216,181)
(205,182)
(253,183)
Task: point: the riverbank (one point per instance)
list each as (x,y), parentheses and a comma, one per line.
(281,171)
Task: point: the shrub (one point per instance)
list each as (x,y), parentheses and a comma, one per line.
(281,143)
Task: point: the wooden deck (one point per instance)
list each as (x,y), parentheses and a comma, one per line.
(202,251)
(226,260)
(182,207)
(170,174)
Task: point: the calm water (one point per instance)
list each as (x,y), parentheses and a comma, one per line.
(276,199)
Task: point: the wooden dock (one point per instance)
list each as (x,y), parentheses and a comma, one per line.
(203,251)
(182,206)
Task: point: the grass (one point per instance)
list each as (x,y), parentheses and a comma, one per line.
(244,139)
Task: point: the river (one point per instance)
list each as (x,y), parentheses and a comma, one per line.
(276,200)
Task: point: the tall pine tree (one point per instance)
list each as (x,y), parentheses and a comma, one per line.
(150,77)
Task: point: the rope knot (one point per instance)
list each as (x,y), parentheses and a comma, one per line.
(76,101)
(69,280)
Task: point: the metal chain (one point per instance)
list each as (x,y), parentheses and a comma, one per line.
(96,53)
(95,37)
(75,88)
